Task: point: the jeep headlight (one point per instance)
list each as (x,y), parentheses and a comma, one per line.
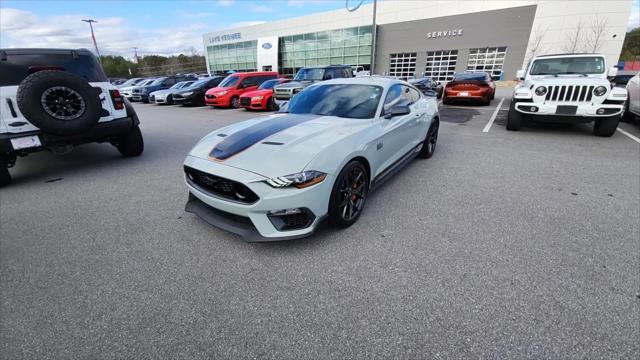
(599,91)
(541,90)
(299,180)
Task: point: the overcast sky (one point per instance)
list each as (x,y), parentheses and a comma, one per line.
(155,27)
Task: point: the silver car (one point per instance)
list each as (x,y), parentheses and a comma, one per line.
(165,96)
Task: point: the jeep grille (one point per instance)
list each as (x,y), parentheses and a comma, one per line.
(570,93)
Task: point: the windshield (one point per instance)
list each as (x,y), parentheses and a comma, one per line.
(131,82)
(309,74)
(569,65)
(181,84)
(146,82)
(229,81)
(470,76)
(342,100)
(269,84)
(198,83)
(157,81)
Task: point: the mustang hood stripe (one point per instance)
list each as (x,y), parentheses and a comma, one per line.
(245,138)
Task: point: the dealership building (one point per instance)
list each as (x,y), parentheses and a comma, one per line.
(434,38)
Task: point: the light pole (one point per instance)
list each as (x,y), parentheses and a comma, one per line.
(93,36)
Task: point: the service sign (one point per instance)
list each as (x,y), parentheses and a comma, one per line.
(445,33)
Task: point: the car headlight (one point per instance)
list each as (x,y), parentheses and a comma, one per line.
(541,90)
(599,91)
(221,93)
(299,180)
(188,93)
(257,98)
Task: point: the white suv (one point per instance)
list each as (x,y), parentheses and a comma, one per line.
(54,99)
(568,88)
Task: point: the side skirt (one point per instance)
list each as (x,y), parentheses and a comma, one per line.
(394,168)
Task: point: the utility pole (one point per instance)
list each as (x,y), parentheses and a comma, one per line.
(135,54)
(93,36)
(373,45)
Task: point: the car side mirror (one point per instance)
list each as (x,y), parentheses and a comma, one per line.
(520,74)
(397,110)
(430,93)
(613,71)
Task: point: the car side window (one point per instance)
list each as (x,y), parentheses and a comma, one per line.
(394,96)
(331,73)
(410,95)
(249,81)
(170,82)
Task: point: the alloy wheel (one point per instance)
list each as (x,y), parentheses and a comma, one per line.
(63,103)
(353,193)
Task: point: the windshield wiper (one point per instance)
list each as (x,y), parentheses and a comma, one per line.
(577,73)
(552,74)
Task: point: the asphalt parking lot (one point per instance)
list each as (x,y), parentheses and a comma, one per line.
(503,245)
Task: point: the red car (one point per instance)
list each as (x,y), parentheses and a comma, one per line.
(227,94)
(262,98)
(470,86)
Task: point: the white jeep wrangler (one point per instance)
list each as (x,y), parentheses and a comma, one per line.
(568,88)
(54,99)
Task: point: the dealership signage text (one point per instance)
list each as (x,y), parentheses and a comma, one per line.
(446,33)
(225,37)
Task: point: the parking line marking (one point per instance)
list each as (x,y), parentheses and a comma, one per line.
(493,117)
(632,137)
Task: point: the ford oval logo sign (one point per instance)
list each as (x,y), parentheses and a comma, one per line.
(266,46)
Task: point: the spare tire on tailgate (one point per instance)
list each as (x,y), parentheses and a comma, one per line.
(59,102)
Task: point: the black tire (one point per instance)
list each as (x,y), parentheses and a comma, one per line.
(145,100)
(606,127)
(446,100)
(514,118)
(349,195)
(627,116)
(169,100)
(5,177)
(234,102)
(71,106)
(271,105)
(430,141)
(131,144)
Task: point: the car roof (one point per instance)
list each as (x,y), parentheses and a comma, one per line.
(326,66)
(568,55)
(36,51)
(366,80)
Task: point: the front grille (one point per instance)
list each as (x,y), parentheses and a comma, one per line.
(220,187)
(570,93)
(135,91)
(209,96)
(245,101)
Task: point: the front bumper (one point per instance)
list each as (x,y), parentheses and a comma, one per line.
(589,110)
(189,100)
(103,131)
(248,103)
(139,97)
(224,101)
(251,221)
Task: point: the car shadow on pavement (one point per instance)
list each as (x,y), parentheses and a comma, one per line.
(48,167)
(457,115)
(547,127)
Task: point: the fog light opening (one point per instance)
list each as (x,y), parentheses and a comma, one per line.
(601,111)
(285,212)
(533,109)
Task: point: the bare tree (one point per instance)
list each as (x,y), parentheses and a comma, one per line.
(573,39)
(595,35)
(535,44)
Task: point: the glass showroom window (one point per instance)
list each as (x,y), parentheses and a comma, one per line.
(489,60)
(350,46)
(402,65)
(237,57)
(441,64)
